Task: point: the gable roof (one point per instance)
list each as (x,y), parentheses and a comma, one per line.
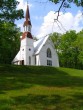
(39,44)
(17,57)
(37,48)
(26,34)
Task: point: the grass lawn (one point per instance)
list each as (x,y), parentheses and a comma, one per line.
(40,88)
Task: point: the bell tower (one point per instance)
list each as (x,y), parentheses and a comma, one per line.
(27,24)
(27,41)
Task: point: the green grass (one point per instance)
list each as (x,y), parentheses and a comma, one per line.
(40,88)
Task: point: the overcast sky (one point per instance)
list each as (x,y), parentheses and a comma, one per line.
(42,16)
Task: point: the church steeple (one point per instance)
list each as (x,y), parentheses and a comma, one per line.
(27,25)
(27,17)
(27,13)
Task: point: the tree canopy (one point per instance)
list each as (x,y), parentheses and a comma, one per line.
(66,4)
(8,11)
(9,42)
(69,48)
(9,33)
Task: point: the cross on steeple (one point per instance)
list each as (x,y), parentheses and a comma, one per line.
(27,13)
(27,2)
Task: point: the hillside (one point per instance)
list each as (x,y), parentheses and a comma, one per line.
(40,88)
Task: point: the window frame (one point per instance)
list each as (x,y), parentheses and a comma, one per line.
(49,53)
(49,62)
(29,60)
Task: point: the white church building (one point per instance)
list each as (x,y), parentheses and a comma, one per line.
(41,52)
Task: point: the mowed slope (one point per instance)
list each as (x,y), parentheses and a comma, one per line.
(40,88)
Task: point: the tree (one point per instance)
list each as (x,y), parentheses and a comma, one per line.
(9,33)
(9,42)
(66,4)
(68,53)
(69,48)
(55,37)
(8,11)
(79,44)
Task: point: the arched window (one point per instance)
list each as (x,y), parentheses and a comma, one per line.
(49,55)
(29,60)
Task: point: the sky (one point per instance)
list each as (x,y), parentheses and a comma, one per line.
(43,13)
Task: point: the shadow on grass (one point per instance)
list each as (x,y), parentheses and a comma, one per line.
(35,99)
(52,102)
(42,102)
(32,102)
(18,77)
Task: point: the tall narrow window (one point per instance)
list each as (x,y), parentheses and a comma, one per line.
(35,60)
(49,55)
(29,60)
(29,28)
(49,62)
(24,29)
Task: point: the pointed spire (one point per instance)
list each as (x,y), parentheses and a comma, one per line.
(27,17)
(27,13)
(27,2)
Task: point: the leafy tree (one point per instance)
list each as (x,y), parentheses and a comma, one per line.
(8,11)
(9,33)
(69,48)
(79,44)
(9,42)
(66,4)
(68,53)
(56,37)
